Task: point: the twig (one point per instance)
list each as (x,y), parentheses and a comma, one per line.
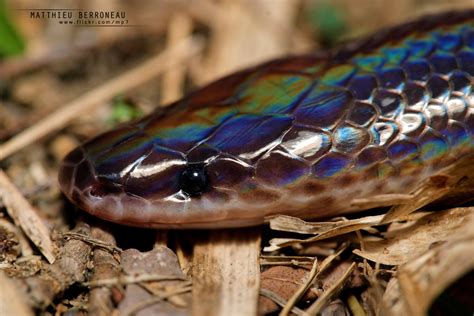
(125,279)
(301,290)
(24,215)
(93,242)
(316,307)
(315,272)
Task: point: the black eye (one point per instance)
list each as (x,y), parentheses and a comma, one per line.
(194,180)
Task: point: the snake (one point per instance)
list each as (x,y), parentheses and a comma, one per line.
(300,135)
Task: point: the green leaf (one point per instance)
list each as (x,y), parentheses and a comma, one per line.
(328,21)
(123,111)
(11,43)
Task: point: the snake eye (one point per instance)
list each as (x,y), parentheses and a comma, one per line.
(194,180)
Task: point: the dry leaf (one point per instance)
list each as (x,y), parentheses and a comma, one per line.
(411,241)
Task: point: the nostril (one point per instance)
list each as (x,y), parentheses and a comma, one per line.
(100,188)
(97,191)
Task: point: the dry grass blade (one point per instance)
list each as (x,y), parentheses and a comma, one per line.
(322,230)
(25,216)
(297,261)
(316,307)
(299,294)
(130,279)
(355,307)
(131,79)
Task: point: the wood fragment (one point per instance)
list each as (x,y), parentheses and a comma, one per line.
(25,216)
(123,83)
(226,273)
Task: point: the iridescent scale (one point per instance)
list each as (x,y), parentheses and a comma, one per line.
(297,136)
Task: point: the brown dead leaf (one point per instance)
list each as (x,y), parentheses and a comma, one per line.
(411,241)
(420,281)
(283,281)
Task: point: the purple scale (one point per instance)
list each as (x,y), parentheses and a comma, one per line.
(470,122)
(468,37)
(362,86)
(460,82)
(439,88)
(370,156)
(249,135)
(457,109)
(412,124)
(323,109)
(456,134)
(421,48)
(392,78)
(418,70)
(403,150)
(448,41)
(83,168)
(389,103)
(280,168)
(154,176)
(118,161)
(307,143)
(362,114)
(438,116)
(202,153)
(228,172)
(466,61)
(416,95)
(443,63)
(350,139)
(383,132)
(331,164)
(432,145)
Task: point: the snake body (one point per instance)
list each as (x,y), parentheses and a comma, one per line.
(299,136)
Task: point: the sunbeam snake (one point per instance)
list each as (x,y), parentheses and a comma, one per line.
(298,136)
